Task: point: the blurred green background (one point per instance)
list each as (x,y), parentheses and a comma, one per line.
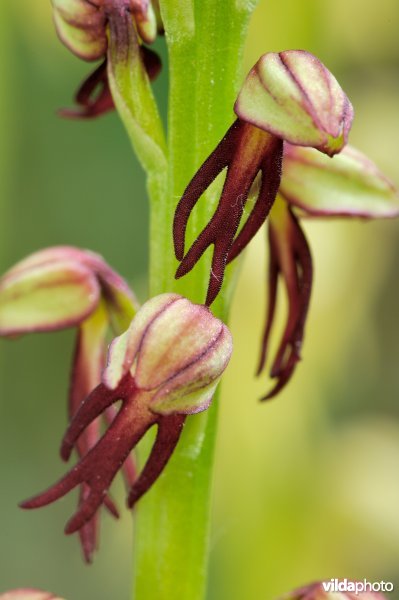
(306,487)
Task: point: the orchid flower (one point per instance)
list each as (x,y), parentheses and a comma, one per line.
(290,96)
(59,288)
(82,26)
(164,367)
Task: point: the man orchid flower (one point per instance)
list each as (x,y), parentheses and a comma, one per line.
(82,25)
(290,96)
(164,367)
(59,288)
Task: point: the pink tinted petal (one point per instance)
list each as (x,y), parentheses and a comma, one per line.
(81,27)
(123,349)
(46,297)
(292,95)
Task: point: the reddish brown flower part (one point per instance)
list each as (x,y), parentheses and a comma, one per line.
(97,469)
(291,262)
(163,368)
(244,152)
(94,97)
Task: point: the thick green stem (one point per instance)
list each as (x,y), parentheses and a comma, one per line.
(205,40)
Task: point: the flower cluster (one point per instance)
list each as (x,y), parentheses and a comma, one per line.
(293,118)
(59,288)
(165,366)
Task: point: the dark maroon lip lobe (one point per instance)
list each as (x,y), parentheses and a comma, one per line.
(221,230)
(298,283)
(97,469)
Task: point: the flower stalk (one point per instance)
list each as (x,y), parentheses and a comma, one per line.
(205,55)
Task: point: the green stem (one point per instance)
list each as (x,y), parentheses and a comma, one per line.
(205,41)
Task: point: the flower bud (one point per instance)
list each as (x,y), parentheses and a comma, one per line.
(28,594)
(349,185)
(174,348)
(294,96)
(82,24)
(46,297)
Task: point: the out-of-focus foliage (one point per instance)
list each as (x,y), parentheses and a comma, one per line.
(307,486)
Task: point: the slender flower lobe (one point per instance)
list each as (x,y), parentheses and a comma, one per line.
(245,152)
(94,97)
(290,261)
